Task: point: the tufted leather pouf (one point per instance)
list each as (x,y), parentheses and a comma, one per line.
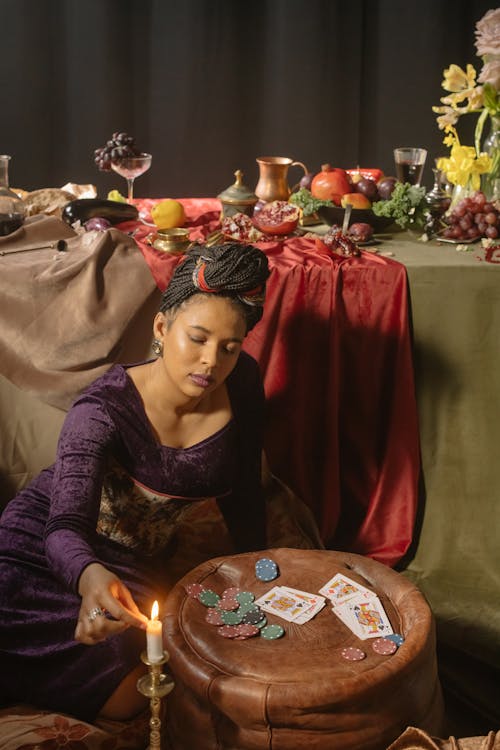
(298,692)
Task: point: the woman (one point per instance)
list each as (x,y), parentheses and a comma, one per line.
(82,549)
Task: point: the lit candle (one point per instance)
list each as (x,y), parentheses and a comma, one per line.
(154,638)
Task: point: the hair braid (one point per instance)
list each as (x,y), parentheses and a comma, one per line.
(230,270)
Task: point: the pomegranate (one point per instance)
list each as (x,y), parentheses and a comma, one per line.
(277,217)
(331,184)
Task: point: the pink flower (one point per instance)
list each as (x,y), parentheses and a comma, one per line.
(491,73)
(488,33)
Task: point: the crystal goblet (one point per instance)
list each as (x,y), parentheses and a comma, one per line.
(131,167)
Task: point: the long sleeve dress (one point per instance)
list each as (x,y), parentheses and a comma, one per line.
(114,495)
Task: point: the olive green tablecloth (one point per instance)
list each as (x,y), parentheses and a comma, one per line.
(455,298)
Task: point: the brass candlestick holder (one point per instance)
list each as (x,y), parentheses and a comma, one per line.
(155,685)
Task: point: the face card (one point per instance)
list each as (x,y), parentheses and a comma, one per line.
(340,588)
(309,613)
(282,603)
(369,615)
(311,599)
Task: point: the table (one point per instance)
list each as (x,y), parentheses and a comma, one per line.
(455,301)
(335,352)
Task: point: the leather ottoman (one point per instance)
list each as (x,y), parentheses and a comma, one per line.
(298,691)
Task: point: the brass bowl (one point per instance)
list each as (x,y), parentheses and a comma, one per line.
(174,240)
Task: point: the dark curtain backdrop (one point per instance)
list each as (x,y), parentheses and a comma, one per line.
(208,85)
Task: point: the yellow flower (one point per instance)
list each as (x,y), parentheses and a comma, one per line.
(463,166)
(456,79)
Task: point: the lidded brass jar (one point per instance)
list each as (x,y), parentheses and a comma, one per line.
(237,198)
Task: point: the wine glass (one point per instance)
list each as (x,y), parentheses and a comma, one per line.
(409,164)
(131,167)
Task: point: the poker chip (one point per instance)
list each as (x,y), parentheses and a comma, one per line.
(266,569)
(383,646)
(228,631)
(262,623)
(231,592)
(194,590)
(246,630)
(231,618)
(396,638)
(353,654)
(271,632)
(228,604)
(253,616)
(214,617)
(209,598)
(245,597)
(250,607)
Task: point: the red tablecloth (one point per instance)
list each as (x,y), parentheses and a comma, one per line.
(335,352)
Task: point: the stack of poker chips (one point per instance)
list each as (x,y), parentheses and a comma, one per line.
(234,613)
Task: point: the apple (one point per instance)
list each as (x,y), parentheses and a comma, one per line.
(331,184)
(356,200)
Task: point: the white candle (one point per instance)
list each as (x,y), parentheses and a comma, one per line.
(154,637)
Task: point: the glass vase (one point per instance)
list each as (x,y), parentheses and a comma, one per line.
(12,208)
(490,182)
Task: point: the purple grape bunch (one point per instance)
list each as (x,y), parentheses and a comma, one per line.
(119,147)
(473,217)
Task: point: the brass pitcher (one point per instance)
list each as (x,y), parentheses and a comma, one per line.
(273,177)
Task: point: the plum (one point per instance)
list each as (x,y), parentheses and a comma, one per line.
(367,187)
(386,187)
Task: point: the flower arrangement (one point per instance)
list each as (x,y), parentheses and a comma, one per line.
(467,95)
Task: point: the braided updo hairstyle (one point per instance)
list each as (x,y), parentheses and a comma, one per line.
(238,272)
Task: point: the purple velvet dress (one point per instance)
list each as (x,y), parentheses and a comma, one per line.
(114,495)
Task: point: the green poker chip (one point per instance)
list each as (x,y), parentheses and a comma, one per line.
(272,632)
(245,597)
(209,598)
(230,618)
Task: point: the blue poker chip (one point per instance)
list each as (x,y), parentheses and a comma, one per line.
(396,638)
(266,569)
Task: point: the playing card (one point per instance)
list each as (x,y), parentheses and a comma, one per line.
(308,614)
(340,588)
(283,603)
(312,599)
(369,616)
(341,612)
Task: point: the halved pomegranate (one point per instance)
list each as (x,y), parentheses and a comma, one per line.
(277,217)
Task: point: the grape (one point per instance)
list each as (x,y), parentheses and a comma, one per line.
(118,147)
(473,217)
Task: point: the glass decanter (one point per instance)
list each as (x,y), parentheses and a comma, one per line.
(12,209)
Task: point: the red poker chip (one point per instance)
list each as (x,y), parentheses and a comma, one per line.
(194,590)
(383,646)
(228,604)
(246,630)
(214,617)
(228,631)
(231,592)
(353,654)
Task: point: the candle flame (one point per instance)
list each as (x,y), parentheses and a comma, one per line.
(154,611)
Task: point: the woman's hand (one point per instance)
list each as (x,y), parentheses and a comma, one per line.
(102,592)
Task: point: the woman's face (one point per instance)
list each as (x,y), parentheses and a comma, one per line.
(201,344)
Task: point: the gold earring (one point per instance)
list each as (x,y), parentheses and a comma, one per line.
(157,347)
